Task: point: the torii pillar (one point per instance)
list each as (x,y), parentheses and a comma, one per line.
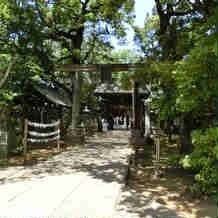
(135,105)
(136,138)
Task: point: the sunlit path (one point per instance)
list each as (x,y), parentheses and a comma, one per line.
(84,181)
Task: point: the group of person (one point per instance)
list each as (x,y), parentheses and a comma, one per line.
(114,122)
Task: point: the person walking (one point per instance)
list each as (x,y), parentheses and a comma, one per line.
(127,121)
(110,123)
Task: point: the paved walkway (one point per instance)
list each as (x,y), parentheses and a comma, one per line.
(83,182)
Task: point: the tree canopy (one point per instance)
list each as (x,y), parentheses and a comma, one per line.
(45,34)
(179,41)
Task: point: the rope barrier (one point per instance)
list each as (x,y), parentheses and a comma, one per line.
(38,134)
(43,140)
(43,125)
(40,137)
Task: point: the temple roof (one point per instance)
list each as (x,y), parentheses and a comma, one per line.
(53,91)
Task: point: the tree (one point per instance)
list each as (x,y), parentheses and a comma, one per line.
(61,32)
(182,25)
(184,72)
(174,15)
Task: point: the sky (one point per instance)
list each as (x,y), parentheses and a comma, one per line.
(142,7)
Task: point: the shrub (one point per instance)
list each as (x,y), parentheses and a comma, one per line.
(204,160)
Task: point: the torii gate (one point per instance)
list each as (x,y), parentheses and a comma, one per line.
(106,76)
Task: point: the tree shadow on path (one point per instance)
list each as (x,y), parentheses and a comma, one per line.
(103,156)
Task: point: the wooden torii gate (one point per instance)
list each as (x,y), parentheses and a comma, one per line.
(106,76)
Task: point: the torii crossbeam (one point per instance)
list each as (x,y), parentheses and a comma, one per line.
(100,67)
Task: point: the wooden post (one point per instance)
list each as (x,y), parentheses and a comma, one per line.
(25,150)
(58,137)
(158,138)
(106,73)
(157,133)
(158,149)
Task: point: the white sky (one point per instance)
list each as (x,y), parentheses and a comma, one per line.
(142,7)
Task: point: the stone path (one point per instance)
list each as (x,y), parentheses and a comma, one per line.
(83,182)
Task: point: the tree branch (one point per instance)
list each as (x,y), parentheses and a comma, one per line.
(159,6)
(91,47)
(41,16)
(3,80)
(183,13)
(177,3)
(64,58)
(84,6)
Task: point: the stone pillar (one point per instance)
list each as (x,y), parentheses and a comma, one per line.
(147,122)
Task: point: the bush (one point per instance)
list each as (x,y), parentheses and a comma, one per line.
(174,160)
(204,160)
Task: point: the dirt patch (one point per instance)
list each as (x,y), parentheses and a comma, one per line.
(170,189)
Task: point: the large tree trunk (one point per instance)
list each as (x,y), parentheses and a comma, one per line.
(76,78)
(185,135)
(76,81)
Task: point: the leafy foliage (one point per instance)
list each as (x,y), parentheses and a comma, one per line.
(179,41)
(204,160)
(48,33)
